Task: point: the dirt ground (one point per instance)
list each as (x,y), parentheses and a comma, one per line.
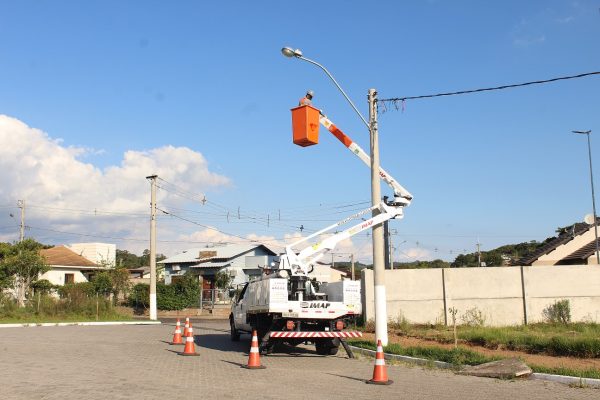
(537,359)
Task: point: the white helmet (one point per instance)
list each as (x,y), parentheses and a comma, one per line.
(310,93)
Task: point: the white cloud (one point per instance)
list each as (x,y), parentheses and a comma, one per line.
(414,254)
(63,192)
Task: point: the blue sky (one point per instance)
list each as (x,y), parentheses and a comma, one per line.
(123,88)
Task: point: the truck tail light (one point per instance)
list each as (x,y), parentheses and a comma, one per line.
(339,325)
(289,325)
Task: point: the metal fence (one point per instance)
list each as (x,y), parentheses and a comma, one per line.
(212,297)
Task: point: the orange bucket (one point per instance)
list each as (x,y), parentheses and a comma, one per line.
(305,125)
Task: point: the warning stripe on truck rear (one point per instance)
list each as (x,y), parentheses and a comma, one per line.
(293,334)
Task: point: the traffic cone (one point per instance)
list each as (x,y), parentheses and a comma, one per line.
(380,376)
(177,335)
(186,327)
(190,348)
(254,356)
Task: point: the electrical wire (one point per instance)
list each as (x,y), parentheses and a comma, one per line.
(397,102)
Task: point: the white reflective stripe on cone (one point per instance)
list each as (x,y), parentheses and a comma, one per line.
(380,361)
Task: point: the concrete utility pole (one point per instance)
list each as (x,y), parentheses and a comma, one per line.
(153,313)
(21,205)
(478,253)
(352,265)
(378,250)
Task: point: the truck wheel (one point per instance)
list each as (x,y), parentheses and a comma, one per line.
(235,334)
(328,347)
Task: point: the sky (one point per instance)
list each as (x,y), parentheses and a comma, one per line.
(95,96)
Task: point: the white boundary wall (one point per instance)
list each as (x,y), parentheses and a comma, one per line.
(504,295)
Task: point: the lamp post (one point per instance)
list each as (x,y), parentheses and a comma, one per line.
(592,184)
(378,246)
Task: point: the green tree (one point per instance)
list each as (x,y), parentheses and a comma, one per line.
(22,265)
(127,260)
(222,279)
(119,277)
(102,283)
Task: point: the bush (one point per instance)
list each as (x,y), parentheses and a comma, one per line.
(183,293)
(76,291)
(169,298)
(473,317)
(188,288)
(139,296)
(558,313)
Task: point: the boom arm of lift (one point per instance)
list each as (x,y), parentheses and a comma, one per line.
(299,263)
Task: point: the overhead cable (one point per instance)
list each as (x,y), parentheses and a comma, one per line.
(398,102)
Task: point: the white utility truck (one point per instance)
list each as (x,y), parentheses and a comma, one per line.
(285,305)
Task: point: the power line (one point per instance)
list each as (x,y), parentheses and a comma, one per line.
(398,102)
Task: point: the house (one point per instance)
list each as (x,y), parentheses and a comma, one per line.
(99,253)
(243,262)
(139,275)
(324,272)
(574,245)
(66,266)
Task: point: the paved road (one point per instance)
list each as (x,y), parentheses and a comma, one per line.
(135,362)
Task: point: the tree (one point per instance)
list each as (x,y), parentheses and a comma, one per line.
(22,265)
(102,283)
(126,259)
(222,279)
(119,277)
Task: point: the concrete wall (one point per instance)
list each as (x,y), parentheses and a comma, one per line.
(503,295)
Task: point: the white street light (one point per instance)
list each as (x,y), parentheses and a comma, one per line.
(592,184)
(378,245)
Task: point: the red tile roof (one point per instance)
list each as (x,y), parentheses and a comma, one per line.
(60,255)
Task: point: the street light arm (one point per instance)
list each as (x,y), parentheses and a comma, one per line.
(338,86)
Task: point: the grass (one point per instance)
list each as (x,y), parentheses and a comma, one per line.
(52,310)
(39,319)
(574,340)
(459,357)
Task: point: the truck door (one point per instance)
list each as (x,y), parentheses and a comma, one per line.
(239,314)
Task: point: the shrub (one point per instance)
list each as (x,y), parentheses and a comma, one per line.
(188,289)
(139,296)
(76,291)
(473,317)
(169,298)
(400,323)
(559,312)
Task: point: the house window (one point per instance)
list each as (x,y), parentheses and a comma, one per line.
(69,278)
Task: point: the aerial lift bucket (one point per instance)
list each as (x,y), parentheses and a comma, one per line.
(305,125)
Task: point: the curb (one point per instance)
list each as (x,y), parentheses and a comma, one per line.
(102,323)
(408,359)
(568,380)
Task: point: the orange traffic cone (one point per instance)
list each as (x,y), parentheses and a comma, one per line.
(380,376)
(254,356)
(177,335)
(190,348)
(187,327)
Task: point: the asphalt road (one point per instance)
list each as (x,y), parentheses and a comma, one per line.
(136,362)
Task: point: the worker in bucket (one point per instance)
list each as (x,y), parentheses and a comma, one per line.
(307,99)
